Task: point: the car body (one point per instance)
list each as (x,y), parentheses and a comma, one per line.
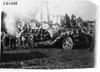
(64,38)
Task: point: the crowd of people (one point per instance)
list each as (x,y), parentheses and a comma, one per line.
(24,31)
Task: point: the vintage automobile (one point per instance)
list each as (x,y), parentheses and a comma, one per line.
(67,39)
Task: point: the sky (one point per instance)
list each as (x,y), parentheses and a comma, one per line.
(32,9)
(84,9)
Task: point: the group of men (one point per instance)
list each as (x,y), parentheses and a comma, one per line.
(7,41)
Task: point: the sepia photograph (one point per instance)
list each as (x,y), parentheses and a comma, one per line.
(48,34)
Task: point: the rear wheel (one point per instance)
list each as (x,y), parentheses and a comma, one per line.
(30,42)
(67,43)
(18,41)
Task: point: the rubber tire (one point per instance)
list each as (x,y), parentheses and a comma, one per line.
(69,40)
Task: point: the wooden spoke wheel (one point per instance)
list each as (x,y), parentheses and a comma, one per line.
(18,41)
(67,43)
(30,42)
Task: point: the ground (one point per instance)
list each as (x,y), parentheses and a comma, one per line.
(43,58)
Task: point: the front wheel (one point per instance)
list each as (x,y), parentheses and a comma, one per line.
(67,43)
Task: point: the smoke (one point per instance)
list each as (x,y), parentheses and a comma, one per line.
(24,9)
(10,23)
